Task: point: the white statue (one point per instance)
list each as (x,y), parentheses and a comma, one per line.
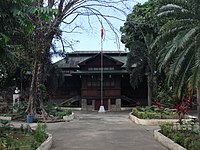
(17,91)
(16,97)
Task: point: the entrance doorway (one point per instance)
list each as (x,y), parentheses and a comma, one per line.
(98,104)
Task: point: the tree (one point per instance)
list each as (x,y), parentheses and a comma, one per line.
(13,40)
(46,17)
(180,38)
(139,32)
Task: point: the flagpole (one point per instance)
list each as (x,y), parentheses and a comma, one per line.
(101,72)
(102,109)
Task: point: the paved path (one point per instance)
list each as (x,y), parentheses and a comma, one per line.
(109,131)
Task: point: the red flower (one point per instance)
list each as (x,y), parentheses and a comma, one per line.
(182,108)
(157,103)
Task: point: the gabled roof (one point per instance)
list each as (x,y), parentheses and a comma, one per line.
(73,59)
(98,55)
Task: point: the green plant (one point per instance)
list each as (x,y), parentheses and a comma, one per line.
(3,143)
(194,145)
(153,112)
(182,134)
(40,134)
(178,137)
(142,115)
(5,124)
(165,95)
(20,107)
(57,111)
(187,142)
(34,144)
(154,115)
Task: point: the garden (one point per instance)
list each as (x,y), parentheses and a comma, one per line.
(183,130)
(185,134)
(23,138)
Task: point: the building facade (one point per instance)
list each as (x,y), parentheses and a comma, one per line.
(83,79)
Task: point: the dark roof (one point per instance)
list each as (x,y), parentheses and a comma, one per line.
(73,59)
(98,72)
(104,55)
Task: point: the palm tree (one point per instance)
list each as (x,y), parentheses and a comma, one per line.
(180,39)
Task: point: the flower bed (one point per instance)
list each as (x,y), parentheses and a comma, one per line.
(165,141)
(23,138)
(150,121)
(154,115)
(186,135)
(154,112)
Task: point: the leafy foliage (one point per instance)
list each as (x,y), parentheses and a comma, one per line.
(138,34)
(153,112)
(23,138)
(179,38)
(184,134)
(57,111)
(14,39)
(40,134)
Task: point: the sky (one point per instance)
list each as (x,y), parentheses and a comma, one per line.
(87,37)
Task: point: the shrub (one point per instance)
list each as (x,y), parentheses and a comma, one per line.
(19,107)
(57,111)
(187,142)
(182,134)
(153,112)
(62,113)
(166,129)
(194,145)
(40,134)
(178,137)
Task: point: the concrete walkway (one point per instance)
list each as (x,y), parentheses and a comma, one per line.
(109,131)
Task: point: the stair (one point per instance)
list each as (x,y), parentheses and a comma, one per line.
(130,100)
(70,101)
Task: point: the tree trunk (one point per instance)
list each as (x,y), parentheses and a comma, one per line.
(150,92)
(40,83)
(36,104)
(31,108)
(198,104)
(36,97)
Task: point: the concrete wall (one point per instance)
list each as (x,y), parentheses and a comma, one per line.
(86,107)
(91,107)
(117,106)
(84,104)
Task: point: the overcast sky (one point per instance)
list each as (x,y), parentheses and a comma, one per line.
(87,38)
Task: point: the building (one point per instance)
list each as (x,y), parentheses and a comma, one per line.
(82,71)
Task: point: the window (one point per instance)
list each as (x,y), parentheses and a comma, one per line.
(109,82)
(90,69)
(95,81)
(99,68)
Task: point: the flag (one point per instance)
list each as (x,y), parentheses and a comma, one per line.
(102,31)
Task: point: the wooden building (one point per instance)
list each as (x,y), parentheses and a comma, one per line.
(82,71)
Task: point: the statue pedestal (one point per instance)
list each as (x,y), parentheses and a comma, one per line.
(101,109)
(15,101)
